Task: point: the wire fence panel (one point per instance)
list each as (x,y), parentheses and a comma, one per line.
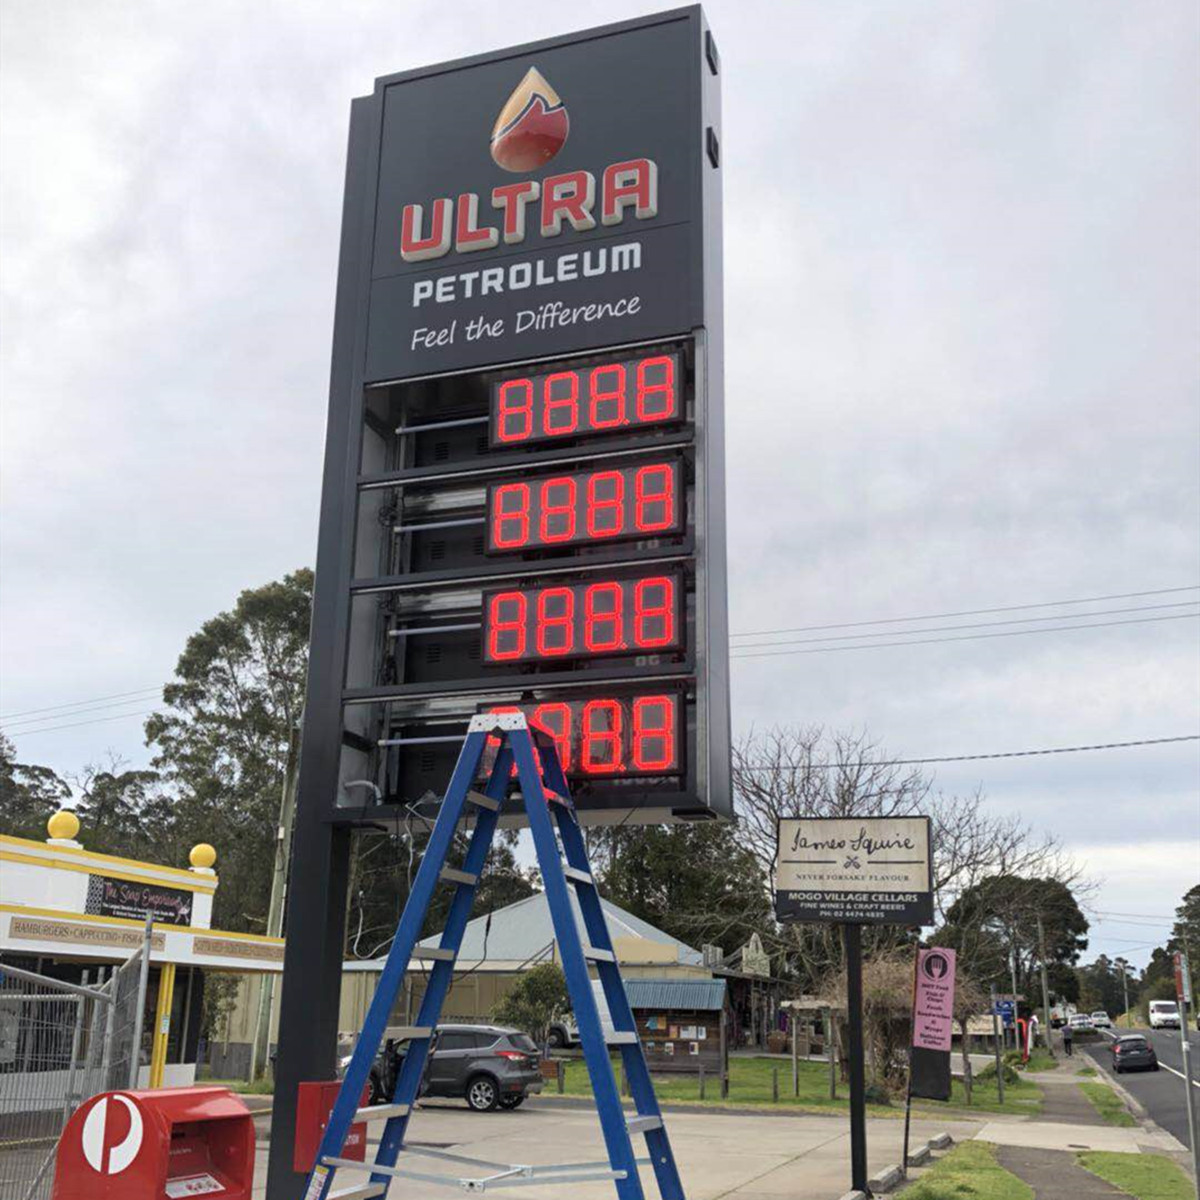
(60,1044)
(127,988)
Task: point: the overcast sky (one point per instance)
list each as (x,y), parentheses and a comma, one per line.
(963,299)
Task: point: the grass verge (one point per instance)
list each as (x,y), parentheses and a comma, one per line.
(260,1087)
(969,1172)
(750,1084)
(1041,1060)
(1108,1104)
(1144,1176)
(1088,1071)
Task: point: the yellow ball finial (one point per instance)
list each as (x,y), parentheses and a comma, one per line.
(203,856)
(63,826)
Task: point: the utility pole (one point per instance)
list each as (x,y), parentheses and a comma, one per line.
(1045,987)
(260,1046)
(1016,1002)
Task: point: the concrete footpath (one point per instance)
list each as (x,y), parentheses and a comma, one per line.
(720,1155)
(756,1155)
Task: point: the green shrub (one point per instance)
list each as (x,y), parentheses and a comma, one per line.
(1010,1074)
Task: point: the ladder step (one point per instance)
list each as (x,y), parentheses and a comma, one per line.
(454,875)
(643,1124)
(555,798)
(577,875)
(436,952)
(596,955)
(621,1037)
(361,1191)
(482,801)
(378,1112)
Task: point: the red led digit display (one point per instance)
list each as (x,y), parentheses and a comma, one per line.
(611,396)
(606,736)
(588,506)
(582,620)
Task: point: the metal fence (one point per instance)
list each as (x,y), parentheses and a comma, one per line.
(60,1044)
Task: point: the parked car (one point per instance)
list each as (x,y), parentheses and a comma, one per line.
(1164,1014)
(1101,1020)
(488,1066)
(1132,1052)
(565,1032)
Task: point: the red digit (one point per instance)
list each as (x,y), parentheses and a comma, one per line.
(654,733)
(556,622)
(656,396)
(507,618)
(557,522)
(654,489)
(560,413)
(555,719)
(510,516)
(608,402)
(606,504)
(515,418)
(602,611)
(602,738)
(654,612)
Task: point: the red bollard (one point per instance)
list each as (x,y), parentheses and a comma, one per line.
(172,1142)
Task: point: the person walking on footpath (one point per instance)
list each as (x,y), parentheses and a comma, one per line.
(1067,1037)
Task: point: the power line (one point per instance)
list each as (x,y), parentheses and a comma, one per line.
(76,703)
(966,637)
(1103,612)
(1145,916)
(24,733)
(969,612)
(9,725)
(908,762)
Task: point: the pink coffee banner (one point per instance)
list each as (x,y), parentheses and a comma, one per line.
(933,1018)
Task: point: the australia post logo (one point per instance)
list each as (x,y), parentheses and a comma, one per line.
(111,1134)
(532,127)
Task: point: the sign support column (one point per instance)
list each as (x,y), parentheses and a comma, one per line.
(852,940)
(1183,994)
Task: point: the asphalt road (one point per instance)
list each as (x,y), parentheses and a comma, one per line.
(1162,1091)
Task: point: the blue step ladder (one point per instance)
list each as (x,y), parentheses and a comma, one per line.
(543,792)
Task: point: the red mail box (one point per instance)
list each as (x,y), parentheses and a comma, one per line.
(314,1103)
(169,1144)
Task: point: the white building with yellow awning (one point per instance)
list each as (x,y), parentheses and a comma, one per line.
(72,914)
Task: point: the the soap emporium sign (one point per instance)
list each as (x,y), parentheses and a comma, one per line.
(109,897)
(876,871)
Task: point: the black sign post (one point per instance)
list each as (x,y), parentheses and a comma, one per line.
(852,941)
(852,872)
(523,497)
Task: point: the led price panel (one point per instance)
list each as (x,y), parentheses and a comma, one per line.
(608,736)
(602,616)
(607,397)
(605,504)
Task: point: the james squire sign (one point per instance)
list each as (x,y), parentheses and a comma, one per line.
(855,870)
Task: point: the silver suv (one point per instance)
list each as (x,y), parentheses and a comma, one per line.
(486,1065)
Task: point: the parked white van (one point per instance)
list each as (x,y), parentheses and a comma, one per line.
(1164,1014)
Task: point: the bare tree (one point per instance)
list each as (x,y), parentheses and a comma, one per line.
(795,771)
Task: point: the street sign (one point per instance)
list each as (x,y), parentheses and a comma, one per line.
(875,870)
(1006,1010)
(1183,979)
(525,506)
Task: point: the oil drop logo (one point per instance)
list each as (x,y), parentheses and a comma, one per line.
(532,125)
